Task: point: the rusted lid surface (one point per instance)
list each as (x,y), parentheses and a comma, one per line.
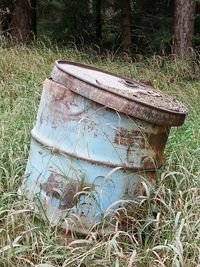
(109,89)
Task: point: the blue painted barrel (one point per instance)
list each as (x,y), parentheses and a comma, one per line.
(95,135)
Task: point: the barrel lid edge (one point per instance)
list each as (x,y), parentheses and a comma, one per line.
(57,62)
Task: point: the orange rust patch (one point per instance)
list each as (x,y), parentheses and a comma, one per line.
(126,138)
(154,142)
(157,143)
(56,187)
(60,101)
(64,189)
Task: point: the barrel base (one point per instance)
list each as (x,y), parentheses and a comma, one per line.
(76,192)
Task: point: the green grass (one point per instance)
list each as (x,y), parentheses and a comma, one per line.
(171,238)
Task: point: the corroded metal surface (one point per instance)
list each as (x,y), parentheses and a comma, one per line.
(84,157)
(61,188)
(70,124)
(143,102)
(91,145)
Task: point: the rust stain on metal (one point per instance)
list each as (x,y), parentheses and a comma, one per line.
(64,189)
(61,100)
(151,162)
(157,143)
(57,188)
(129,138)
(159,140)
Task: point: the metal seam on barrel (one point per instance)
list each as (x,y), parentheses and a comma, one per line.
(44,142)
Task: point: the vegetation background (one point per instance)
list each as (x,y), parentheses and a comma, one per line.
(164,230)
(132,26)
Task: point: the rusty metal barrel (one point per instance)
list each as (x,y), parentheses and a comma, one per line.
(95,135)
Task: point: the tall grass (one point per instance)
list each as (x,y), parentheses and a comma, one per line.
(163,230)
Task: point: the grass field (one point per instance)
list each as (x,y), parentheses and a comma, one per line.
(172,238)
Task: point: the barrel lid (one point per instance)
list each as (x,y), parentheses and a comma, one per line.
(107,87)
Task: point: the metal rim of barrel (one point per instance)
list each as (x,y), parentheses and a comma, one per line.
(136,108)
